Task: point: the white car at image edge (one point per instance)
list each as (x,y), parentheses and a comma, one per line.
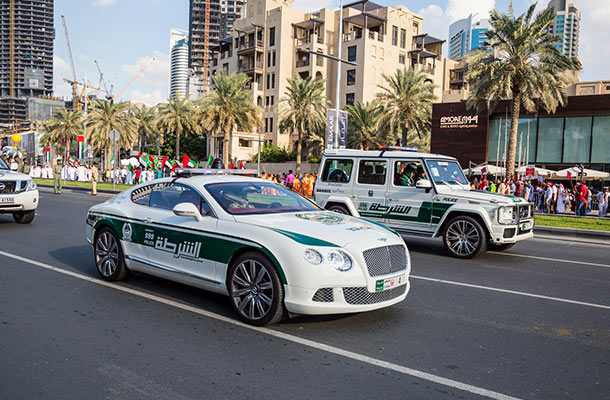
(18,195)
(272,251)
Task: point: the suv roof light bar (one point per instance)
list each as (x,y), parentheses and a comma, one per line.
(395,148)
(189,172)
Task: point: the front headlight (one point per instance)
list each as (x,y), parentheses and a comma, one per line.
(507,215)
(30,185)
(340,260)
(313,257)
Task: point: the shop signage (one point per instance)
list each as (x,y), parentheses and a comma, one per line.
(459,121)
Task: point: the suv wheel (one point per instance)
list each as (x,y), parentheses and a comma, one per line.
(464,237)
(339,209)
(24,217)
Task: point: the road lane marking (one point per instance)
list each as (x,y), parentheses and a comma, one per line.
(281,335)
(550,259)
(493,289)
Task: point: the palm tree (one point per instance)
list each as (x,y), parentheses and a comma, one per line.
(145,124)
(64,126)
(106,116)
(227,107)
(525,67)
(363,120)
(406,103)
(303,110)
(177,117)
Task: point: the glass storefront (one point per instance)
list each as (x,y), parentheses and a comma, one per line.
(553,140)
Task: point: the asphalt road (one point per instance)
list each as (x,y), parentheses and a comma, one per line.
(531,323)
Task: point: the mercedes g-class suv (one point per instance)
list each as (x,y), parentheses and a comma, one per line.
(423,194)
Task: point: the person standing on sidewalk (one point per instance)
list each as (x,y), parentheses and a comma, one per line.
(603,202)
(57,177)
(95,175)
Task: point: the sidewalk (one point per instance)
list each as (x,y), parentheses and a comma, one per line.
(572,235)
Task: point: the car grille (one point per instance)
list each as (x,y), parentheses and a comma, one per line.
(525,211)
(385,260)
(360,295)
(324,295)
(9,186)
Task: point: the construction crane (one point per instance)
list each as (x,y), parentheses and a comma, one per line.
(103,82)
(206,45)
(74,79)
(133,78)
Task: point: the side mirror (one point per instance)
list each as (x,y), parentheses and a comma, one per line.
(424,184)
(187,210)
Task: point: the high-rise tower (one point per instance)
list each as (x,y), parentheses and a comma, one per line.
(467,34)
(566,25)
(178,63)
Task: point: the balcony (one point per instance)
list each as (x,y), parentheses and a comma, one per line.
(250,67)
(250,46)
(303,61)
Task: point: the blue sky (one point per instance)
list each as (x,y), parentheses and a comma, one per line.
(123,34)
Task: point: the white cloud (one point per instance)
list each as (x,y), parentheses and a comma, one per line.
(594,48)
(150,99)
(436,21)
(103,3)
(154,78)
(61,70)
(314,5)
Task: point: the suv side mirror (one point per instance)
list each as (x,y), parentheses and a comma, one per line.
(424,184)
(187,210)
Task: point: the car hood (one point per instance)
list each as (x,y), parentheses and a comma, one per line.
(12,175)
(324,228)
(460,192)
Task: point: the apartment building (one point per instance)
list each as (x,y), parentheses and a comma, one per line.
(467,34)
(274,41)
(178,63)
(566,26)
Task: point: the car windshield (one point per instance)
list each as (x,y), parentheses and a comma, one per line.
(3,165)
(448,172)
(245,198)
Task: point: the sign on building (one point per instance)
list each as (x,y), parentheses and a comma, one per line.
(331,126)
(459,121)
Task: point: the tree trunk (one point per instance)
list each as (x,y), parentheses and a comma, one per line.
(225,147)
(178,146)
(512,139)
(405,131)
(299,149)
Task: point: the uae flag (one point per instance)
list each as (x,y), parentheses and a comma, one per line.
(186,162)
(80,139)
(166,162)
(48,154)
(143,160)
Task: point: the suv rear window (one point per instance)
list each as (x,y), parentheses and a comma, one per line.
(372,172)
(337,170)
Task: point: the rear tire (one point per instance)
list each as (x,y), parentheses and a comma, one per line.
(255,289)
(24,217)
(501,247)
(339,209)
(464,237)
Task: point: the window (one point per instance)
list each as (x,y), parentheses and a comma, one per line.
(225,66)
(266,124)
(372,172)
(403,38)
(349,99)
(268,81)
(416,27)
(351,77)
(600,143)
(394,36)
(445,171)
(577,139)
(167,196)
(337,170)
(272,100)
(550,133)
(272,36)
(245,143)
(401,58)
(268,59)
(407,173)
(267,100)
(351,53)
(273,80)
(273,59)
(271,124)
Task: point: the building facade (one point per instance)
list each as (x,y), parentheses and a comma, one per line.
(178,63)
(566,25)
(222,15)
(274,42)
(574,134)
(467,34)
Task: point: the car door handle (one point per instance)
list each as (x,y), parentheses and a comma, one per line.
(147,220)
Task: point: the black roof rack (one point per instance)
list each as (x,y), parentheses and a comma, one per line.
(395,148)
(189,172)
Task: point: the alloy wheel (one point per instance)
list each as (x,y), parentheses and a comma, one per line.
(463,237)
(106,253)
(252,290)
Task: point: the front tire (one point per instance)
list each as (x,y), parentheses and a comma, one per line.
(339,209)
(255,289)
(108,256)
(464,237)
(24,217)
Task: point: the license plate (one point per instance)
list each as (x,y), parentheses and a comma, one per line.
(7,200)
(390,283)
(526,225)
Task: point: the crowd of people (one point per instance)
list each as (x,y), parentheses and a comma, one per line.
(303,184)
(550,197)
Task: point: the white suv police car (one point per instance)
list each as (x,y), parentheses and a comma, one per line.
(424,194)
(18,195)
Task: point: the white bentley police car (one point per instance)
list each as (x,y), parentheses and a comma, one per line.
(272,251)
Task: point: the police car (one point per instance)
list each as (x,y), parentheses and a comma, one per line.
(272,251)
(423,194)
(18,195)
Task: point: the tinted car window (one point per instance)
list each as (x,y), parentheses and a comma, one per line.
(372,172)
(337,170)
(407,173)
(168,196)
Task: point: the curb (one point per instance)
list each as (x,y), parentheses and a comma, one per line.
(79,188)
(574,235)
